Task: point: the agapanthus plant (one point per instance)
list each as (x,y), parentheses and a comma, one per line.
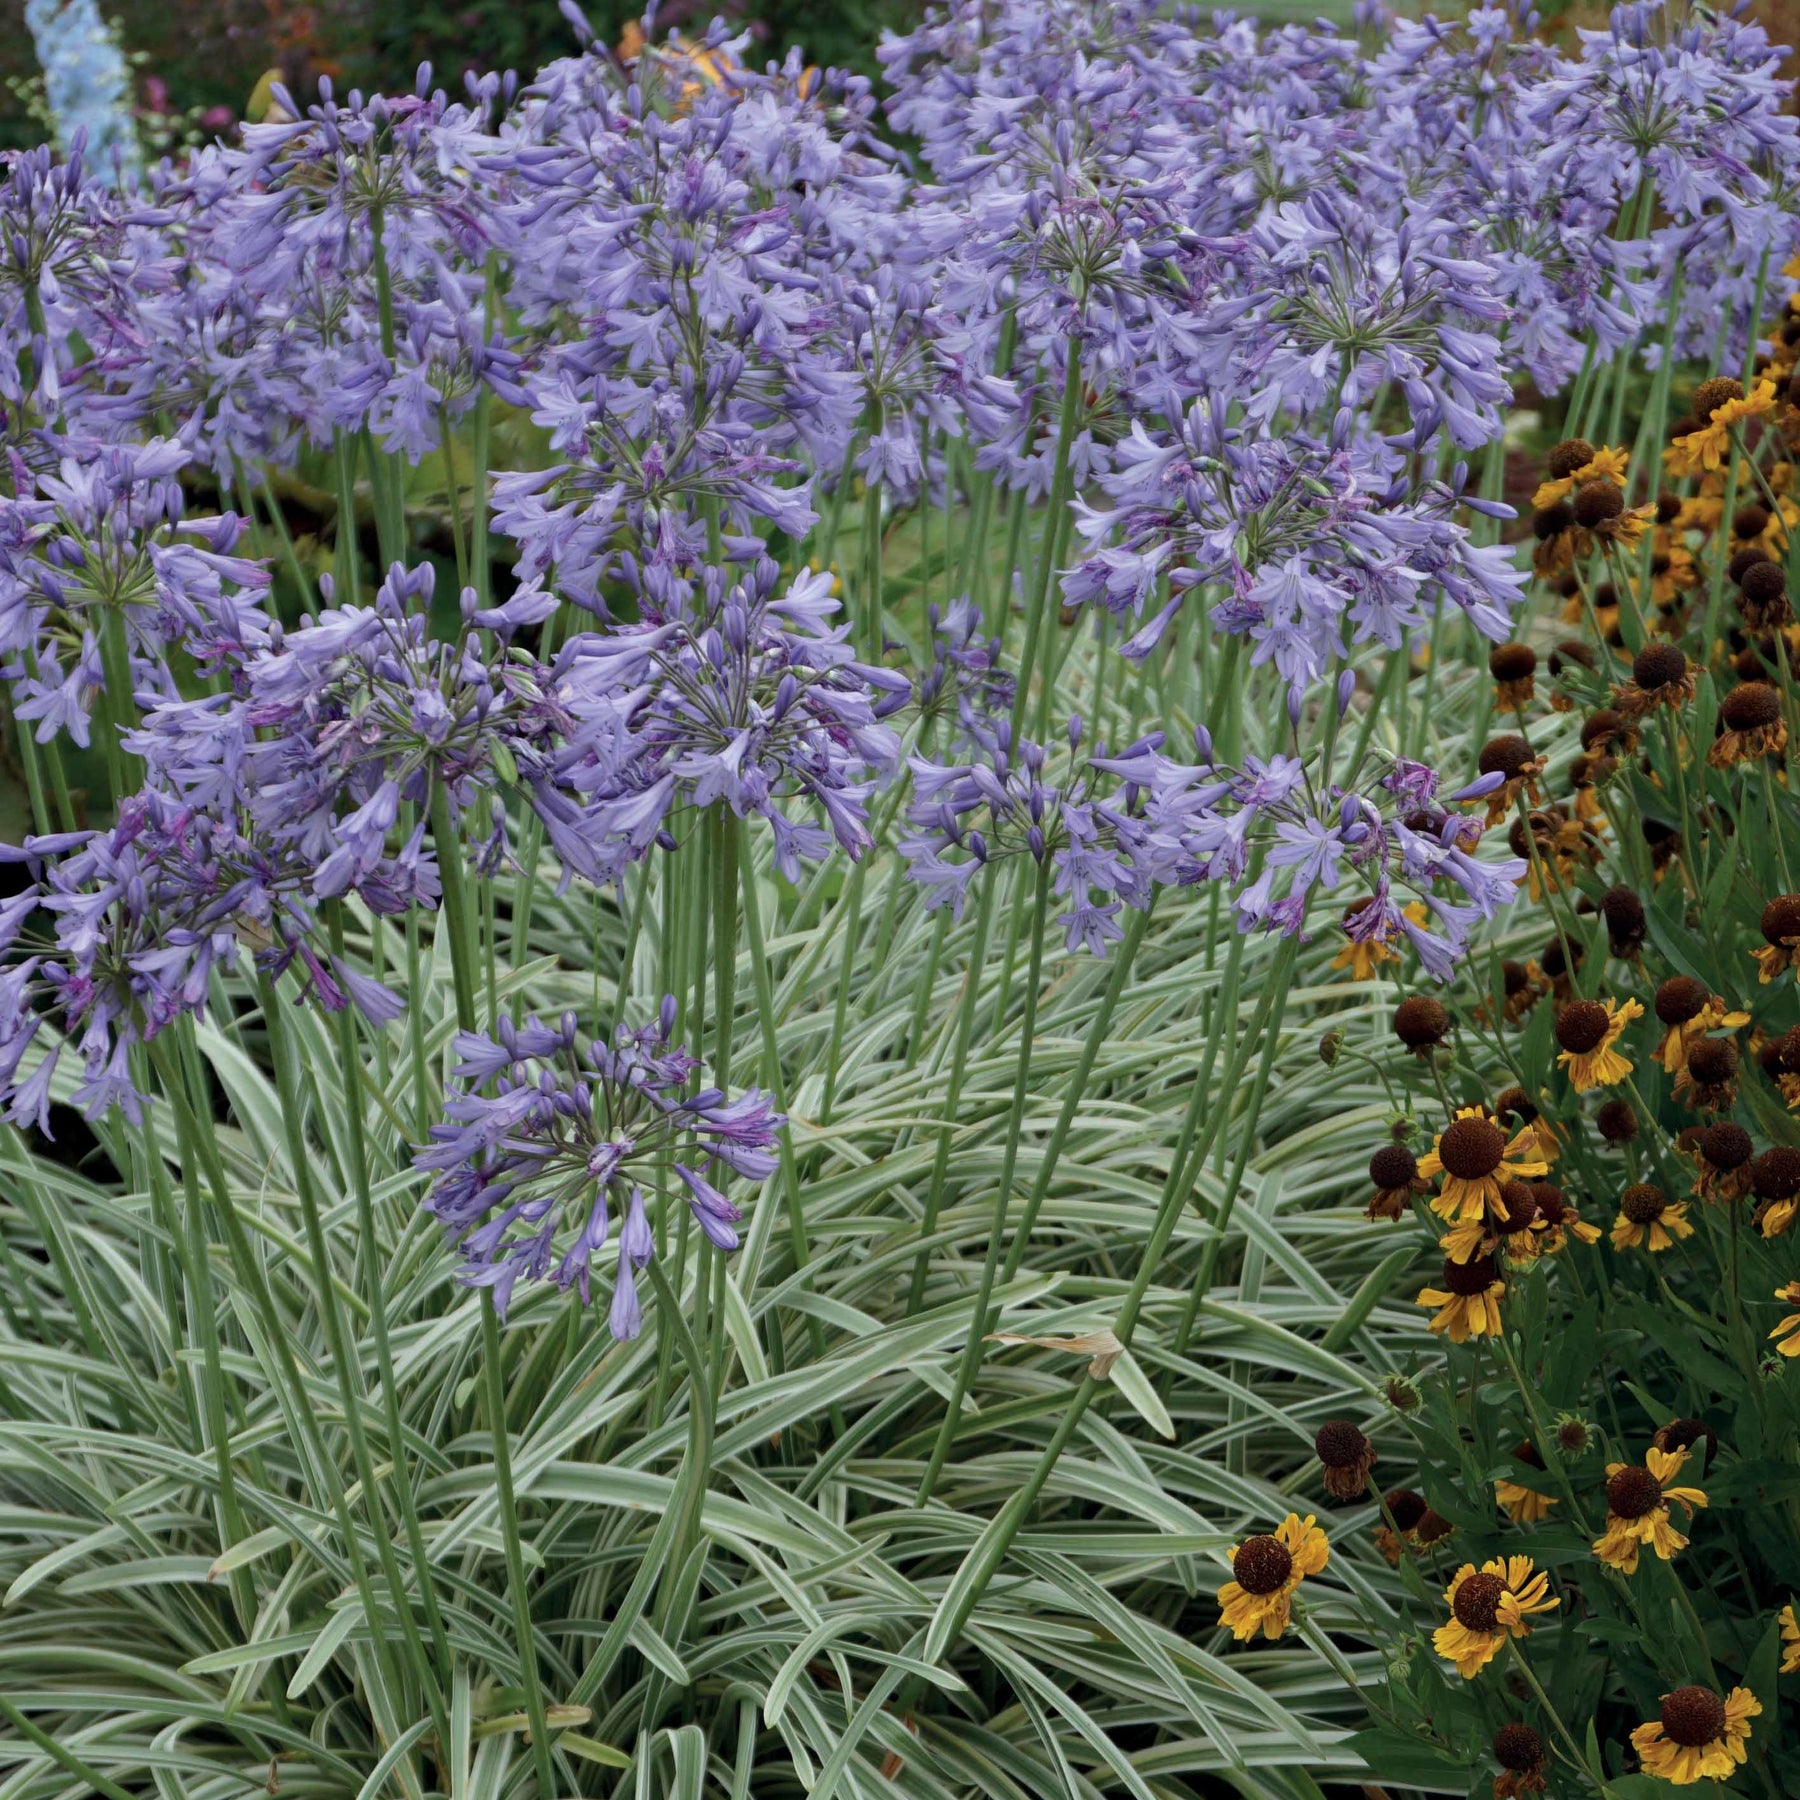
(146,915)
(1309,542)
(753,700)
(550,1133)
(1009,802)
(102,545)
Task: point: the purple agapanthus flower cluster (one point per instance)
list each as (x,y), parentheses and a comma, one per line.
(341,725)
(1006,802)
(1306,544)
(550,1133)
(1280,835)
(752,700)
(145,916)
(103,533)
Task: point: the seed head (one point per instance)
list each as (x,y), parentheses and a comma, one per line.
(1567,457)
(1261,1565)
(1709,396)
(1750,706)
(1582,1026)
(1505,755)
(1340,1444)
(1781,918)
(1512,662)
(1680,998)
(1623,912)
(1617,1122)
(1598,501)
(1642,1202)
(1726,1146)
(1775,1175)
(1692,1716)
(1518,1748)
(1407,1507)
(1599,728)
(1658,665)
(1393,1166)
(1421,1022)
(1746,559)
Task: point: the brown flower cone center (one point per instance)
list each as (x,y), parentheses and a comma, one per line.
(1518,1209)
(1420,1022)
(1475,1276)
(1407,1507)
(1752,706)
(1642,1203)
(1658,666)
(1393,1166)
(1472,1148)
(1518,1747)
(1338,1444)
(1567,457)
(1506,756)
(1726,1146)
(1680,998)
(1632,1493)
(1477,1602)
(1781,918)
(1775,1175)
(1512,662)
(1261,1565)
(1692,1716)
(1582,1026)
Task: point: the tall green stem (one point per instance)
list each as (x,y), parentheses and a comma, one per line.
(1061,486)
(979,1324)
(495,1380)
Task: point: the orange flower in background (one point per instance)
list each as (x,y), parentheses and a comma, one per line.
(1723,407)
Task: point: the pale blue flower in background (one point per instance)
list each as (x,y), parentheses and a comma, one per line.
(85,81)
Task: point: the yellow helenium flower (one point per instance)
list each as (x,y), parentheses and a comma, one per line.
(1523,1505)
(1790,1640)
(1476,1159)
(1266,1571)
(1637,1509)
(1468,1304)
(1646,1212)
(1487,1606)
(1698,1735)
(1788,1331)
(1607,465)
(1587,1030)
(1709,448)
